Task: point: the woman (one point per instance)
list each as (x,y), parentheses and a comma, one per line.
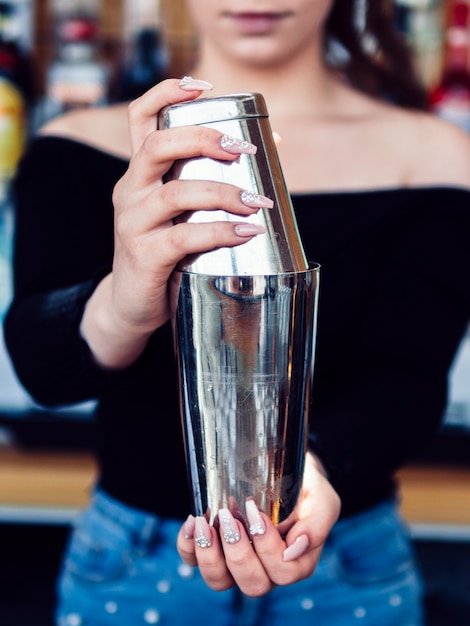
(380,192)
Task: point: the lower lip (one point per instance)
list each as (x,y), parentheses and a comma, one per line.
(253,24)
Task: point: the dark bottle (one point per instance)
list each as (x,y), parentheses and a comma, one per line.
(145,65)
(451,98)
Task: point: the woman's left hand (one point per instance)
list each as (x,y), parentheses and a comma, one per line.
(228,556)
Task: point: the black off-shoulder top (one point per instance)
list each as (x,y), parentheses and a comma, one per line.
(394,304)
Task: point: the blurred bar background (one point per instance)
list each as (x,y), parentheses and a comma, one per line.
(57,55)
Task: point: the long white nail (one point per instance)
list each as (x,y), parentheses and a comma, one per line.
(257,526)
(295,550)
(249,230)
(189,527)
(188,83)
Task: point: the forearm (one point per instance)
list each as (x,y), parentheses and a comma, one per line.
(50,358)
(313,463)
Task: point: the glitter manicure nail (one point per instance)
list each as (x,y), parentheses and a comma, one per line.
(256,200)
(237,146)
(202,534)
(188,83)
(228,526)
(257,526)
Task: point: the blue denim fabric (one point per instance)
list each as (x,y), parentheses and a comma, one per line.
(122,569)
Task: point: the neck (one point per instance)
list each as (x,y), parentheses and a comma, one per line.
(300,86)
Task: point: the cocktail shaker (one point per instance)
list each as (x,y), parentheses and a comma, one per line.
(243,116)
(244,321)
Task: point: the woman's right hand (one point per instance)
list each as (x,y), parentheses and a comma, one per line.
(131,302)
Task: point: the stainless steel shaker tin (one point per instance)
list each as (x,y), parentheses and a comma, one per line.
(243,116)
(211,110)
(244,351)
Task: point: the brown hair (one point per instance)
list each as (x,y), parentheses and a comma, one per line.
(385,67)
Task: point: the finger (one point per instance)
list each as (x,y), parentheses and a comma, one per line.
(242,561)
(185,541)
(185,239)
(270,549)
(318,506)
(143,111)
(160,148)
(167,203)
(177,197)
(316,515)
(210,556)
(157,211)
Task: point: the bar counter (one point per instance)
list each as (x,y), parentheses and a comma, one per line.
(53,486)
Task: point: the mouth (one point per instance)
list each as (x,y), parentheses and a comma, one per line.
(251,23)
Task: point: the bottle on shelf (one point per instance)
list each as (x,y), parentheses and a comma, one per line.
(76,77)
(451,98)
(16,98)
(16,92)
(145,64)
(421,25)
(144,57)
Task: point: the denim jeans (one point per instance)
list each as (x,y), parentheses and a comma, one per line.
(122,569)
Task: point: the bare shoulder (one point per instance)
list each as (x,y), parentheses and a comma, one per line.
(102,127)
(405,147)
(438,152)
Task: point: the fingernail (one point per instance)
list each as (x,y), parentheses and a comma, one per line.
(277,138)
(202,534)
(188,83)
(255,200)
(298,548)
(249,230)
(189,527)
(228,526)
(236,146)
(257,526)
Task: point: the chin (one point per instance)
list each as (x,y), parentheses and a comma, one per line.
(255,56)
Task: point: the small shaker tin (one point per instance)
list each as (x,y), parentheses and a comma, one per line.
(245,117)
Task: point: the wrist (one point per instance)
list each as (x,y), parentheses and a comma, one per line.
(113,344)
(312,462)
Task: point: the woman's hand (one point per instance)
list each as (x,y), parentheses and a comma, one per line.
(228,556)
(131,302)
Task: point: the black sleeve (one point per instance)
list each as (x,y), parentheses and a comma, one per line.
(62,248)
(394,395)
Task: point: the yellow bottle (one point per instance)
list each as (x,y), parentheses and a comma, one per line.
(12,128)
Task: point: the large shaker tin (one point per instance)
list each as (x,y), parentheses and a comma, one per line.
(243,116)
(244,350)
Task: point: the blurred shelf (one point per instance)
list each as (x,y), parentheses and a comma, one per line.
(52,486)
(436,501)
(44,487)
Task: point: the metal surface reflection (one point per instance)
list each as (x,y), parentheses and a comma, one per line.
(245,117)
(245,355)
